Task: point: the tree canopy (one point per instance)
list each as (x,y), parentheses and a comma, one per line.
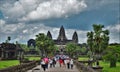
(98,40)
(44,43)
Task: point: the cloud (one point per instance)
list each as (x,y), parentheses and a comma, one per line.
(27,10)
(55,9)
(23,32)
(114,33)
(10,28)
(18,15)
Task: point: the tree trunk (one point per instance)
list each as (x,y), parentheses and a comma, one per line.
(113,63)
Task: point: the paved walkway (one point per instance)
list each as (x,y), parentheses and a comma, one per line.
(54,69)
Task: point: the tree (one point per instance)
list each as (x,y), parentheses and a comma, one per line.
(44,43)
(98,41)
(8,39)
(112,55)
(72,48)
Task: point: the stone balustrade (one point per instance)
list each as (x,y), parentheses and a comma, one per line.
(22,67)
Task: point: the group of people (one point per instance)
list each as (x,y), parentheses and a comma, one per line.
(48,61)
(51,62)
(68,63)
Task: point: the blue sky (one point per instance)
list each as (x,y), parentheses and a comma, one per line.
(23,19)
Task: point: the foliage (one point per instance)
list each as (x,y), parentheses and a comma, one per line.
(8,63)
(112,55)
(97,41)
(24,47)
(44,43)
(106,67)
(8,39)
(71,48)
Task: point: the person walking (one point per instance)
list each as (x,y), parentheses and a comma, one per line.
(43,65)
(68,63)
(60,62)
(71,63)
(50,62)
(54,62)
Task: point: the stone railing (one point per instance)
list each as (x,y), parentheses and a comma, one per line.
(22,67)
(83,68)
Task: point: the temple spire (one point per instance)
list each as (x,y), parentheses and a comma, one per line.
(62,35)
(49,34)
(75,37)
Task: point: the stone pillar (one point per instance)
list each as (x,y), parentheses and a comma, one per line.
(2,54)
(6,54)
(15,55)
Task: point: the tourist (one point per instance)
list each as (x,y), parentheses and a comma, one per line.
(43,65)
(50,62)
(68,63)
(46,62)
(60,62)
(54,62)
(71,63)
(65,62)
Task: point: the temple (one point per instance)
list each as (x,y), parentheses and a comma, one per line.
(10,51)
(62,39)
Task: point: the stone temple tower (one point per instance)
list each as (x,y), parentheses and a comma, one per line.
(49,35)
(62,36)
(75,37)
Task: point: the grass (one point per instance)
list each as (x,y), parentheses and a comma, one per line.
(33,58)
(8,63)
(83,58)
(105,65)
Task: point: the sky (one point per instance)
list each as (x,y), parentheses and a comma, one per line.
(23,19)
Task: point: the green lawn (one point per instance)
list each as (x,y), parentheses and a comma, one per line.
(8,63)
(83,58)
(33,58)
(105,65)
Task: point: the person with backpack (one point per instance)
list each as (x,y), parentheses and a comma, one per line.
(43,65)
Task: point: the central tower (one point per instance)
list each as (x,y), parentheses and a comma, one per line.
(62,36)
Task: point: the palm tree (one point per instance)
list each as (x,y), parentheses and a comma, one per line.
(98,40)
(8,39)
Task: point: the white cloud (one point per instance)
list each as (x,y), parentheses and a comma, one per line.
(55,32)
(56,9)
(114,33)
(23,32)
(9,28)
(23,10)
(115,28)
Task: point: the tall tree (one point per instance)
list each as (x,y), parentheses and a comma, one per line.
(98,40)
(44,43)
(71,48)
(8,39)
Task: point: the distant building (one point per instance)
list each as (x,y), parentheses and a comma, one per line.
(10,51)
(31,45)
(61,40)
